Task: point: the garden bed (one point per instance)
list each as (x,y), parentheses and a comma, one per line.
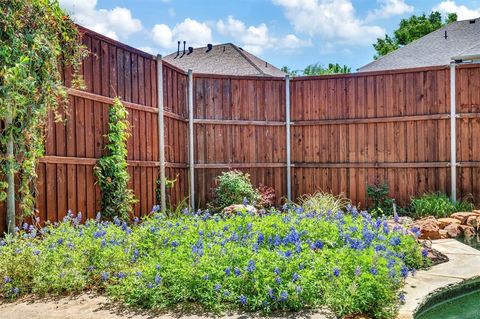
(284,260)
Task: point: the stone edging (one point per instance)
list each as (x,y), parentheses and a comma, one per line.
(460,267)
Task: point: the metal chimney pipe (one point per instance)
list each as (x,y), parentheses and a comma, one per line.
(178,49)
(184,47)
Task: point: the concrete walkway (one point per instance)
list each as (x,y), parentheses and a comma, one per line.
(463,264)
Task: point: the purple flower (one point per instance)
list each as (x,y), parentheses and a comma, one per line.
(424,252)
(99,233)
(7,279)
(228,271)
(251,266)
(60,241)
(395,241)
(15,290)
(374,271)
(317,245)
(295,277)
(217,287)
(158,279)
(105,276)
(245,201)
(358,271)
(404,271)
(336,272)
(278,280)
(284,296)
(237,271)
(277,271)
(288,254)
(243,300)
(36,252)
(401,297)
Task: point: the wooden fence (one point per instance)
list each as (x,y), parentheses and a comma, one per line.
(346,131)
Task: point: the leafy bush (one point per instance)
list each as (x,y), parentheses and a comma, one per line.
(437,205)
(283,260)
(323,202)
(233,187)
(111,170)
(380,201)
(267,196)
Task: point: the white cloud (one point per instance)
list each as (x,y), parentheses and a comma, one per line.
(390,8)
(117,23)
(148,50)
(195,33)
(257,38)
(463,12)
(332,20)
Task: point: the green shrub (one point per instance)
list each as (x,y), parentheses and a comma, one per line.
(111,170)
(234,187)
(437,205)
(283,260)
(323,202)
(380,201)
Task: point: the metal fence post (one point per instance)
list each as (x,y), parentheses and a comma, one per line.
(161,135)
(190,140)
(453,134)
(287,124)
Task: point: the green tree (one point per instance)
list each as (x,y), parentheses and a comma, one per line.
(36,39)
(318,69)
(289,71)
(410,30)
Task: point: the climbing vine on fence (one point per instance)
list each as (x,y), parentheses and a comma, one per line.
(36,39)
(111,170)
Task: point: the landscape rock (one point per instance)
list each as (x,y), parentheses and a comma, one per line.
(462,216)
(468,231)
(428,228)
(443,234)
(453,230)
(472,221)
(233,209)
(444,222)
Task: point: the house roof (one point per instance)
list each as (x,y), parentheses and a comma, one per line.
(223,59)
(463,38)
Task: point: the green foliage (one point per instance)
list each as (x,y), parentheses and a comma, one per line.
(36,37)
(284,260)
(111,170)
(233,187)
(323,202)
(318,69)
(289,71)
(437,205)
(411,29)
(380,201)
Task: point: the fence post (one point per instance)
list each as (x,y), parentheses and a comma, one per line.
(453,134)
(287,124)
(190,140)
(161,135)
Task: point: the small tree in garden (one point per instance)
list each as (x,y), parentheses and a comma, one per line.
(234,187)
(36,38)
(111,170)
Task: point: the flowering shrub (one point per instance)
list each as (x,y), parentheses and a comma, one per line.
(287,259)
(234,187)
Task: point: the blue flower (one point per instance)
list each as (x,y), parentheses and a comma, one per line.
(105,276)
(424,252)
(228,271)
(278,280)
(295,277)
(358,271)
(245,201)
(217,287)
(243,300)
(99,233)
(317,245)
(260,239)
(251,266)
(7,279)
(395,241)
(374,271)
(158,279)
(277,271)
(336,272)
(284,296)
(237,271)
(288,254)
(270,293)
(404,271)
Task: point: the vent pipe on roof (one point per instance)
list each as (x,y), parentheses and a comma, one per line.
(190,50)
(178,49)
(446,35)
(209,47)
(184,47)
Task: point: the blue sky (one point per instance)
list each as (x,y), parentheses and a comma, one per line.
(283,32)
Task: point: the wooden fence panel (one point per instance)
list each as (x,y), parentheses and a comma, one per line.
(239,124)
(352,130)
(468,131)
(175,85)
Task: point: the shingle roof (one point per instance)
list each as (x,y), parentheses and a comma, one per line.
(223,59)
(433,49)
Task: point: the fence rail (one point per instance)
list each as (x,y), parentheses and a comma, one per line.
(298,135)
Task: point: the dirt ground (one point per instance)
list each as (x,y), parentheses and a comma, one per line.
(88,306)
